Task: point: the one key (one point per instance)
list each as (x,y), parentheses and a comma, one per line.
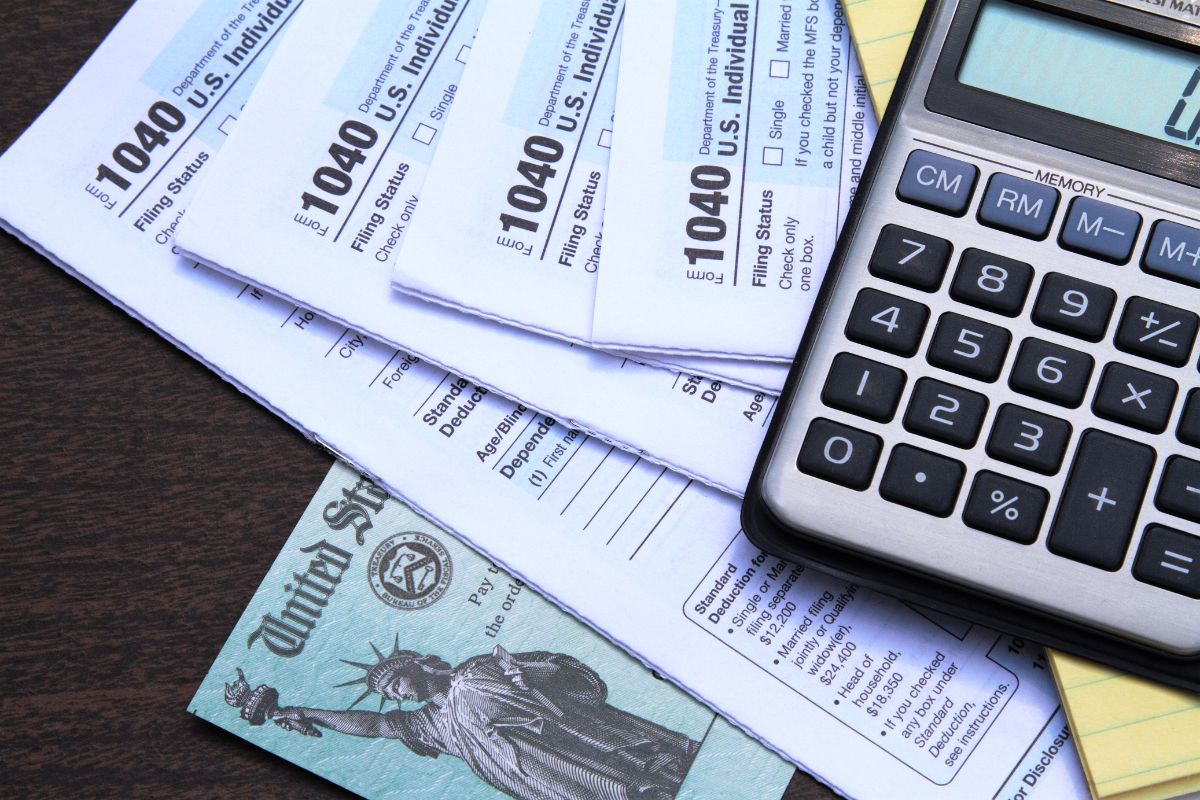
(937,182)
(1135,397)
(1173,252)
(1157,331)
(1074,307)
(1100,230)
(840,454)
(1018,206)
(888,322)
(969,347)
(1189,421)
(986,280)
(1028,439)
(1179,489)
(1005,507)
(1051,372)
(922,480)
(1101,501)
(910,257)
(946,413)
(1169,559)
(863,387)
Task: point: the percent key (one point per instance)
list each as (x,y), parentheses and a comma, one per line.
(1005,507)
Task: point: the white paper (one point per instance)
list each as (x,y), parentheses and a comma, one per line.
(741,132)
(644,554)
(247,219)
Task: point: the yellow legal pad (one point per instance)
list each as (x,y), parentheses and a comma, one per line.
(1137,740)
(882,30)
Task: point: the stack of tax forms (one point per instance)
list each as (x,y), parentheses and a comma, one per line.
(382,221)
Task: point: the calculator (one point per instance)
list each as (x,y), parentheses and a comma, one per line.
(995,408)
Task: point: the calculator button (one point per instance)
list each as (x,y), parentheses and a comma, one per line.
(937,182)
(863,387)
(910,257)
(1101,500)
(946,413)
(1189,421)
(1179,489)
(1135,397)
(1074,307)
(1018,206)
(1157,331)
(922,480)
(888,322)
(993,282)
(1169,559)
(1028,439)
(839,453)
(1173,252)
(1005,507)
(969,347)
(1051,372)
(1101,230)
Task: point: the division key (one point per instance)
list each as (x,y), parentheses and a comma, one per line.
(1103,496)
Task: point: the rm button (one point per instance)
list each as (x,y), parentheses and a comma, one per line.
(1018,206)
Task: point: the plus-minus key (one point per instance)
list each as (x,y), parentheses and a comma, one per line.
(1102,500)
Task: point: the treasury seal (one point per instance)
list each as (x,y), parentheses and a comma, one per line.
(410,570)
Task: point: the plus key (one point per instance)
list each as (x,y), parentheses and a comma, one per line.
(1102,500)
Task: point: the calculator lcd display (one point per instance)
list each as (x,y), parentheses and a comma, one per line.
(1085,70)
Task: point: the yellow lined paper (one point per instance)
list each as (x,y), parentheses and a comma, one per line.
(1137,740)
(882,30)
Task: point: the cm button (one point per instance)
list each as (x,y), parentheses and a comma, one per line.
(937,182)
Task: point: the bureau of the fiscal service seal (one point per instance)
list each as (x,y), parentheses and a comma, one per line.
(410,570)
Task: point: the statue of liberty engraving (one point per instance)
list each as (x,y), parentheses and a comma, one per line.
(535,726)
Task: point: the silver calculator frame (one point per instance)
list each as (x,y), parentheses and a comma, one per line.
(767,530)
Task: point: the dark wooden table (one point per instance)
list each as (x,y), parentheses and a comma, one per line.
(142,501)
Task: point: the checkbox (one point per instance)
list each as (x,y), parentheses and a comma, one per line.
(463,53)
(227,124)
(605,138)
(424,133)
(780,69)
(773,156)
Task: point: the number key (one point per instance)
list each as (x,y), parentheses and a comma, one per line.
(910,257)
(839,453)
(969,347)
(1028,439)
(1051,372)
(945,413)
(1074,307)
(863,387)
(991,282)
(888,322)
(1157,331)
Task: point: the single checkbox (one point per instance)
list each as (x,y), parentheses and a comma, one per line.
(605,138)
(773,156)
(463,52)
(424,133)
(780,69)
(227,124)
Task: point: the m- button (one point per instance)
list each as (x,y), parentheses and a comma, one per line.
(1101,230)
(937,182)
(1018,206)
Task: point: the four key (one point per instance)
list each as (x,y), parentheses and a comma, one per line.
(887,322)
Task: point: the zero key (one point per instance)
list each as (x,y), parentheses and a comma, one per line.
(1102,499)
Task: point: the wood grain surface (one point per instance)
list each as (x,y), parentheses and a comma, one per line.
(142,501)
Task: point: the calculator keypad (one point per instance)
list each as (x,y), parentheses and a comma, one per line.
(995,283)
(1020,370)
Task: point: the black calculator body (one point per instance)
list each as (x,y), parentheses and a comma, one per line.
(995,409)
